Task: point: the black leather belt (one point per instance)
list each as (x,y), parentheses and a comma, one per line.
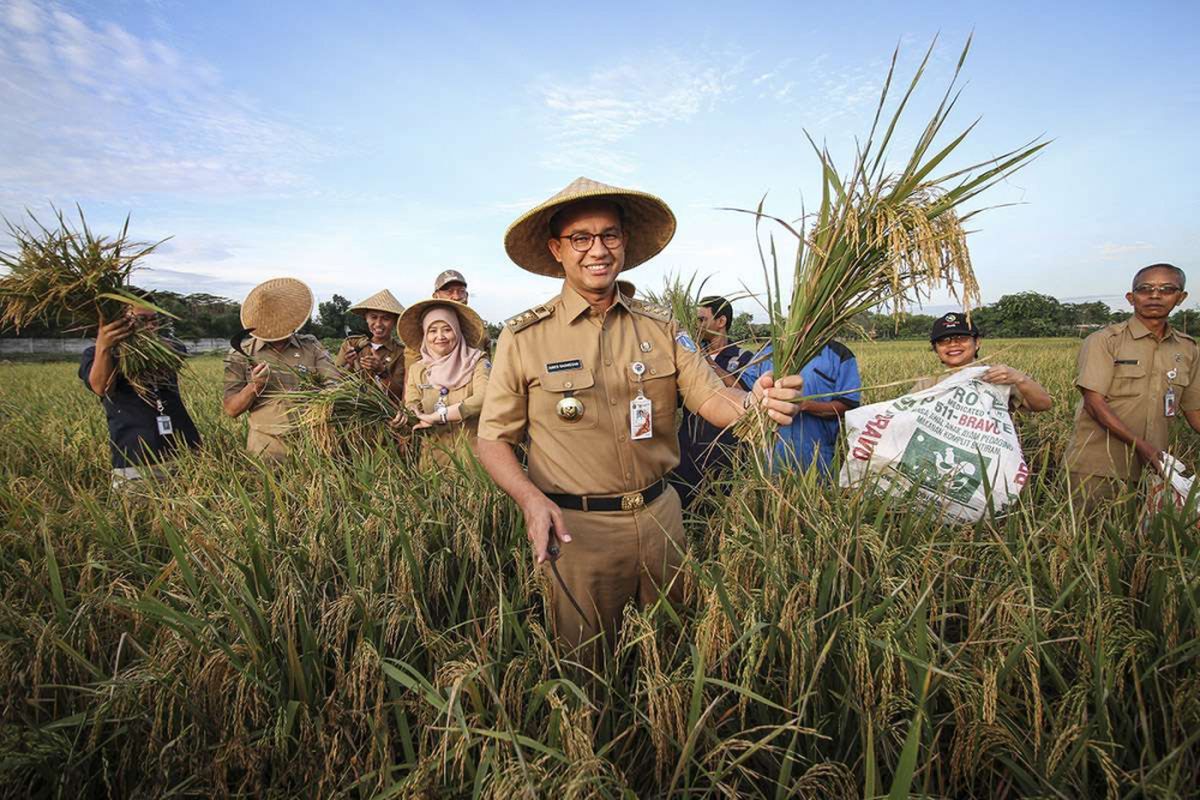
(620,502)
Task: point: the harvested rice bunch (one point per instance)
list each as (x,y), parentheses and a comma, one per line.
(74,280)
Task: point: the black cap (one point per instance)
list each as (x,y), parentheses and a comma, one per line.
(952,324)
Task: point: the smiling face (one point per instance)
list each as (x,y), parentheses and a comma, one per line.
(381,324)
(592,273)
(440,338)
(956,351)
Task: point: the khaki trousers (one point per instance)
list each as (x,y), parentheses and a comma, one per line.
(614,557)
(268,447)
(1096,492)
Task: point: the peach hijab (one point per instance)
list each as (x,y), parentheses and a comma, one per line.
(456,368)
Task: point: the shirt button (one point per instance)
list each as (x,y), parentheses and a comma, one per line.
(612,401)
(653,371)
(568,385)
(608,363)
(621,437)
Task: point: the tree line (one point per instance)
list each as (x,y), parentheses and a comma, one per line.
(1025,314)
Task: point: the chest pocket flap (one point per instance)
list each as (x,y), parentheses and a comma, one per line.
(1127,380)
(656,367)
(573,380)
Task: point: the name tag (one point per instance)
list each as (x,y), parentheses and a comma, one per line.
(164,425)
(562,366)
(1126,361)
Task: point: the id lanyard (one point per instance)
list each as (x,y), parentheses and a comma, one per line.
(1170,402)
(163,420)
(641,410)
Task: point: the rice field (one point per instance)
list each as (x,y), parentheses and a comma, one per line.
(362,630)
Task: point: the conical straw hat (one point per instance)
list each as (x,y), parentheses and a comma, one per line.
(277,308)
(383,300)
(412,334)
(649,224)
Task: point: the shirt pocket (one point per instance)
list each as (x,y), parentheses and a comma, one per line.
(557,386)
(1129,380)
(660,385)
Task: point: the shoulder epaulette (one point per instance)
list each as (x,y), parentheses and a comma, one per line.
(306,337)
(526,318)
(660,313)
(841,351)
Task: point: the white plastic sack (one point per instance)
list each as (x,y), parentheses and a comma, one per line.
(943,439)
(1177,478)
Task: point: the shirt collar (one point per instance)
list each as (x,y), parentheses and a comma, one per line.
(575,306)
(1138,330)
(259,344)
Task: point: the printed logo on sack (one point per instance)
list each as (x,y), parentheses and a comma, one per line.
(943,468)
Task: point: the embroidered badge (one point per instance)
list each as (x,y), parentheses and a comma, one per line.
(561,366)
(951,318)
(685,342)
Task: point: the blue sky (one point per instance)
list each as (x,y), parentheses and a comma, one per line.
(362,147)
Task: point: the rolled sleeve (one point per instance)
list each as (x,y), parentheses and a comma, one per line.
(848,384)
(343,351)
(236,372)
(505,413)
(473,404)
(1095,364)
(1190,399)
(758,365)
(697,380)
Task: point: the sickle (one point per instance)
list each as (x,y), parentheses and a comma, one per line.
(236,340)
(554,552)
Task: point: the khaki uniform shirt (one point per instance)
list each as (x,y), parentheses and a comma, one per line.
(562,348)
(393,354)
(269,413)
(1132,370)
(423,396)
(1016,400)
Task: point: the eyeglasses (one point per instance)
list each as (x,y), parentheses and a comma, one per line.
(953,340)
(1149,290)
(582,242)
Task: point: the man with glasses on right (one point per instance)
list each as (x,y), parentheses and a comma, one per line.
(1135,376)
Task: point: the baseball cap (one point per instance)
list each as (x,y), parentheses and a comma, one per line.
(448,276)
(952,324)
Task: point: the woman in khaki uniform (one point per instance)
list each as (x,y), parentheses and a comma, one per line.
(379,355)
(446,387)
(277,360)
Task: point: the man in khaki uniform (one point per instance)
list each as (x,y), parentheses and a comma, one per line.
(380,354)
(1135,376)
(591,377)
(275,362)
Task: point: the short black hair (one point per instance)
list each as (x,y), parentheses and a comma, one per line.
(1178,273)
(719,307)
(556,220)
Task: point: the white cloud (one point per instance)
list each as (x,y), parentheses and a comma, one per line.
(590,118)
(1110,251)
(94,110)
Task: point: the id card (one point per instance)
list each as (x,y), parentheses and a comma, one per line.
(1170,406)
(641,418)
(164,425)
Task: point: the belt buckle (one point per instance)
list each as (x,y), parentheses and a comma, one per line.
(632,502)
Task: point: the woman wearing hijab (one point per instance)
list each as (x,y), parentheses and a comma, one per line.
(445,388)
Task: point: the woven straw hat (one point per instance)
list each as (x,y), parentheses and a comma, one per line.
(277,308)
(383,300)
(411,333)
(649,224)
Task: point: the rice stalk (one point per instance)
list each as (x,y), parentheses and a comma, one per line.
(76,280)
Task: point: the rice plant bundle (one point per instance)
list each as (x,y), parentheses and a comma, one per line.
(348,414)
(880,238)
(74,280)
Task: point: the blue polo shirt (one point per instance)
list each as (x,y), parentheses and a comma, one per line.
(832,374)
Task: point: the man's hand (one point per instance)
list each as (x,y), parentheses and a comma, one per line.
(259,374)
(543,519)
(1150,454)
(1004,376)
(778,396)
(351,358)
(371,363)
(113,333)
